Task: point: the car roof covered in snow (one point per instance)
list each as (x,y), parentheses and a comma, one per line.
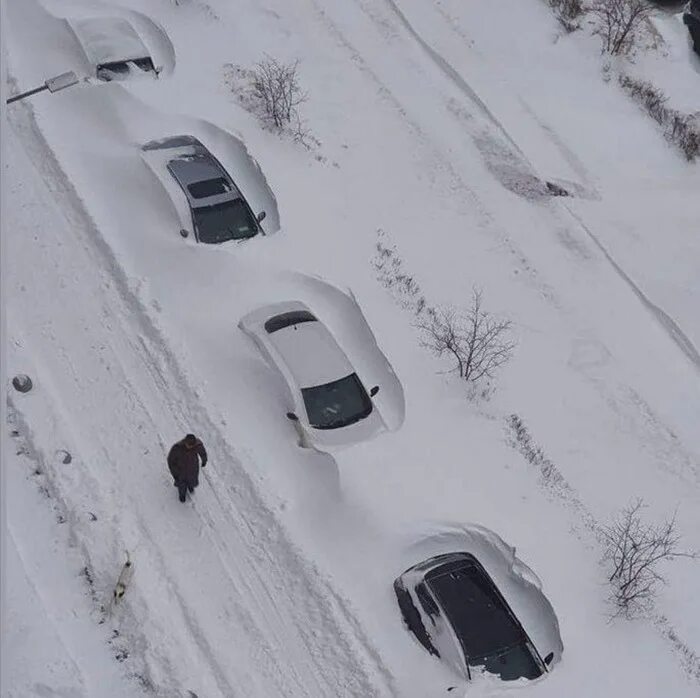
(311,353)
(189,161)
(188,169)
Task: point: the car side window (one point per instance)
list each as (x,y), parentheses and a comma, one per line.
(427,601)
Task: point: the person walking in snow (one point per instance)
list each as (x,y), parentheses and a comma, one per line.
(183,461)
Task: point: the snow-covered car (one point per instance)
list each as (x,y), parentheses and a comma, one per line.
(114,48)
(481,609)
(328,401)
(205,196)
(691,18)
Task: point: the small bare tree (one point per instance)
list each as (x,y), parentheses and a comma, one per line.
(276,87)
(635,550)
(477,341)
(618,23)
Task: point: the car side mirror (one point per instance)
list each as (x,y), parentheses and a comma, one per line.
(184,233)
(548,658)
(292,417)
(374,391)
(261,216)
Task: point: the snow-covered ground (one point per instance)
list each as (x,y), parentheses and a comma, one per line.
(438,124)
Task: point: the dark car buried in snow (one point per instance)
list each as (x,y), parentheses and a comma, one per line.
(206,197)
(691,19)
(481,617)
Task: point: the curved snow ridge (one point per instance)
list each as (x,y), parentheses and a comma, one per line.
(667,322)
(507,159)
(453,75)
(333,652)
(441,160)
(670,326)
(501,154)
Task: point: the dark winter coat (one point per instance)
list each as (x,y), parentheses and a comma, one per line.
(183,462)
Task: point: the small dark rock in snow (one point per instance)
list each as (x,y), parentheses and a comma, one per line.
(22,383)
(14,433)
(64,456)
(92,516)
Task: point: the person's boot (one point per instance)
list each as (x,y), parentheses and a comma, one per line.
(182,489)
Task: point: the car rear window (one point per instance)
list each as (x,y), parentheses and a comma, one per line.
(209,187)
(294,317)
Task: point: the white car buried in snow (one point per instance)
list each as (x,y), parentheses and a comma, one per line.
(116,48)
(330,404)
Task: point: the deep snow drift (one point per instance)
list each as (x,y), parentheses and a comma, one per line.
(438,125)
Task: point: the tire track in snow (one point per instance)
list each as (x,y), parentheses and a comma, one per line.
(346,662)
(488,220)
(457,183)
(668,324)
(453,76)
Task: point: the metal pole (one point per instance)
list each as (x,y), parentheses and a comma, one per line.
(26,94)
(54,84)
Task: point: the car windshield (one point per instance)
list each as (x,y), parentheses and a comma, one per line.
(489,634)
(510,664)
(230,220)
(209,187)
(337,404)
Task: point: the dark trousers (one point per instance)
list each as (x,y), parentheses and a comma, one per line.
(183,488)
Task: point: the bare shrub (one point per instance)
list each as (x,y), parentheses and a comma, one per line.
(618,23)
(635,549)
(476,341)
(684,131)
(276,87)
(568,12)
(391,274)
(533,454)
(650,97)
(681,129)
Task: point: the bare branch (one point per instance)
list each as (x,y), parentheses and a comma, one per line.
(618,23)
(477,342)
(275,87)
(635,549)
